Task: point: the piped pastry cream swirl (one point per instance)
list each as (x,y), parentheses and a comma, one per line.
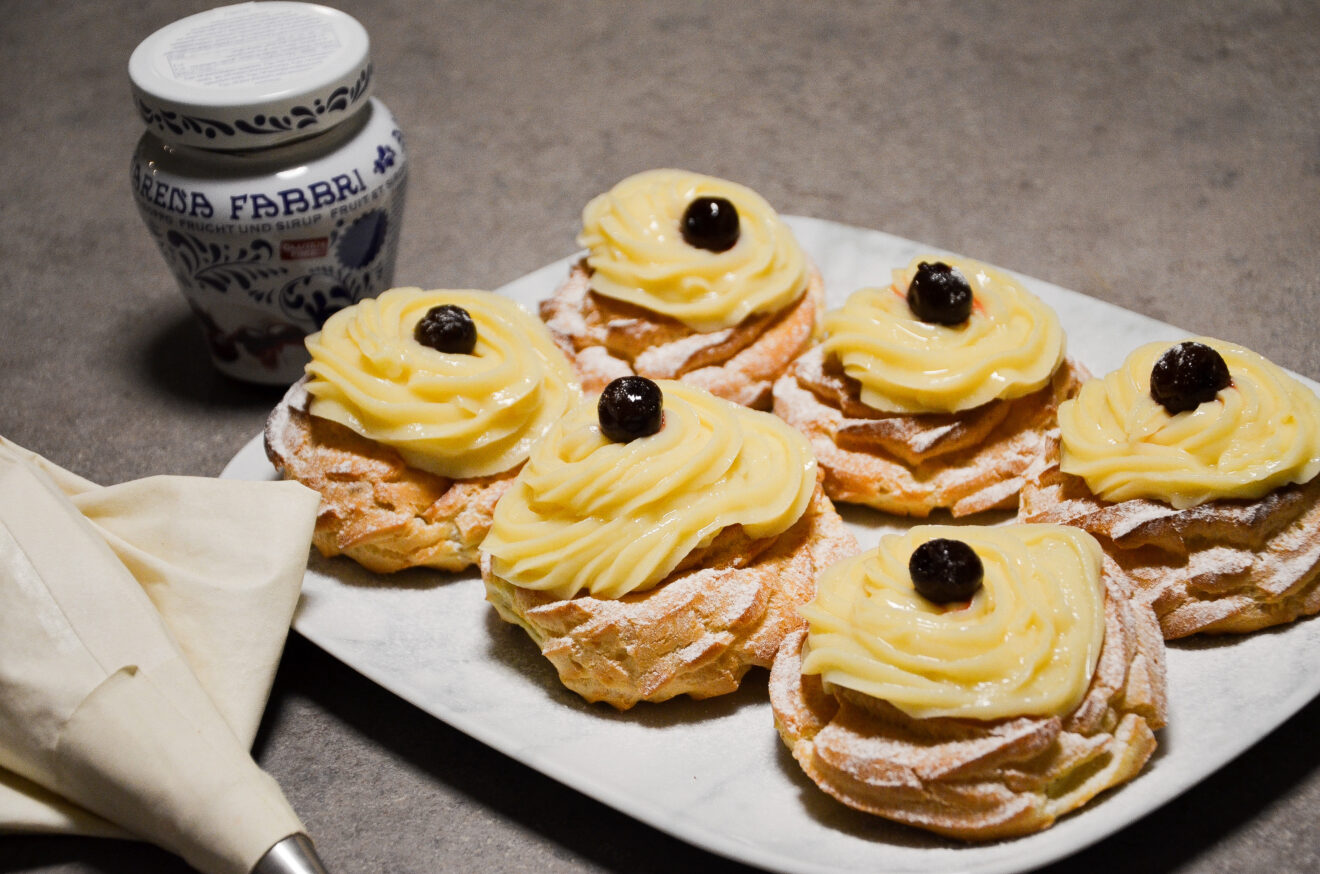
(1026,644)
(587,514)
(636,251)
(1259,433)
(455,415)
(1009,347)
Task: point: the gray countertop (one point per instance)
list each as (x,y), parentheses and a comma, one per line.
(1164,157)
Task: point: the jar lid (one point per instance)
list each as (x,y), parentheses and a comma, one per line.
(251,75)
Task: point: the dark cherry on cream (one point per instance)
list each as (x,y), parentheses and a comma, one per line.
(630,407)
(1187,375)
(940,294)
(944,570)
(711,223)
(447,328)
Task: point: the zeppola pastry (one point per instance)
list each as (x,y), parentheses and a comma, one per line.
(417,409)
(935,392)
(979,682)
(659,541)
(686,277)
(1195,465)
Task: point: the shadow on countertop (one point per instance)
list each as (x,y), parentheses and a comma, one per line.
(172,357)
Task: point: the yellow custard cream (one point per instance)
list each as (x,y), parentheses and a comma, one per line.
(455,415)
(637,253)
(1025,645)
(587,514)
(1009,347)
(1259,433)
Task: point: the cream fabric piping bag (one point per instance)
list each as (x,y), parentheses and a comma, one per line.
(98,704)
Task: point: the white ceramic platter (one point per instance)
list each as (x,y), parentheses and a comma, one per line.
(715,773)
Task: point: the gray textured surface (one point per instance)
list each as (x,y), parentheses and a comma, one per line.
(1163,157)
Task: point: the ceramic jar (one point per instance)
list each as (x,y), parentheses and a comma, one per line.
(269,177)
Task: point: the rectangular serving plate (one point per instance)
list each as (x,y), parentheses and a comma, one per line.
(714,773)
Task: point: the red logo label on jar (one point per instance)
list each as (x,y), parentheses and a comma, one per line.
(300,250)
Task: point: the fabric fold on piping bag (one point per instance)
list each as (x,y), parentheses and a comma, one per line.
(140,628)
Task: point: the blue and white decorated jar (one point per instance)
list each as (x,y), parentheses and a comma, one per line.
(270,178)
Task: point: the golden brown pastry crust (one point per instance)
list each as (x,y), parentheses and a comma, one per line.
(1228,566)
(725,610)
(967,462)
(607,338)
(375,508)
(976,779)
